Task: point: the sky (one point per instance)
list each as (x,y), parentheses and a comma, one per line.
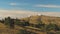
(24,8)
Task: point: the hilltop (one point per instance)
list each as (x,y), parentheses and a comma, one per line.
(42,18)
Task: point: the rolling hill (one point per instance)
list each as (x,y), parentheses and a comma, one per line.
(32,19)
(42,18)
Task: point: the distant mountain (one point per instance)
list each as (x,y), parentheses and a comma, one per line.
(43,19)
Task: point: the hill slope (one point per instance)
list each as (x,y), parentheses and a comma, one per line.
(42,18)
(6,30)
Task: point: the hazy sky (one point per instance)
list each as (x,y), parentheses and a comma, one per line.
(34,5)
(22,8)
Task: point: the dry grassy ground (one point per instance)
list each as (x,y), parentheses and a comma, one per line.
(6,30)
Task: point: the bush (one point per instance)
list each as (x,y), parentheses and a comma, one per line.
(24,23)
(53,27)
(25,32)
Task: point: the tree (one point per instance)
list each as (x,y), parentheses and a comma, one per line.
(9,22)
(17,22)
(2,21)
